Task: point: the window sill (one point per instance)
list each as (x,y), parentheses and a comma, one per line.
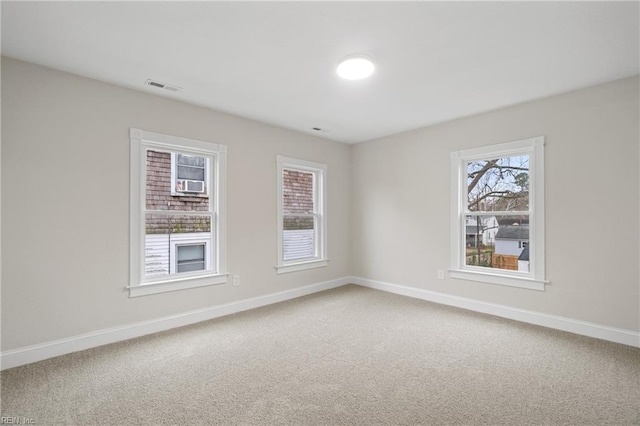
(301,266)
(506,280)
(176,284)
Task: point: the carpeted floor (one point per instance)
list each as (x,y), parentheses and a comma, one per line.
(346,356)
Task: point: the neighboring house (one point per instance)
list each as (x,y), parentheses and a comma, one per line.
(511,239)
(523,260)
(511,242)
(176,243)
(488,230)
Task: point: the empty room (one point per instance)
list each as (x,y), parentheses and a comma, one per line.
(320,213)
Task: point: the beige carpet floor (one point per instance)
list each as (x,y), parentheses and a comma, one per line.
(349,356)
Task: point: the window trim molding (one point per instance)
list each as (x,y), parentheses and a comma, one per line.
(140,141)
(535,278)
(320,170)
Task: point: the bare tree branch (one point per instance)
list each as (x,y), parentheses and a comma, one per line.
(484,180)
(489,194)
(478,175)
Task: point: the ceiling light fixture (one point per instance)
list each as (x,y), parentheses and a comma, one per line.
(355,67)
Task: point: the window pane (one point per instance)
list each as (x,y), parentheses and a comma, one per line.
(297,191)
(501,184)
(167,243)
(190,258)
(191,173)
(190,167)
(190,253)
(299,237)
(158,186)
(498,242)
(190,160)
(190,266)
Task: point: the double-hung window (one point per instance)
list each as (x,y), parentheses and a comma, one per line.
(177,218)
(498,214)
(302,226)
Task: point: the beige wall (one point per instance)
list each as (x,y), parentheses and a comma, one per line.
(65,203)
(401,203)
(65,208)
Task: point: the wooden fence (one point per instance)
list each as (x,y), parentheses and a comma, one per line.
(505,261)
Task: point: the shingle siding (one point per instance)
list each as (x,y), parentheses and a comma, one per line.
(297,197)
(513,232)
(158,197)
(297,191)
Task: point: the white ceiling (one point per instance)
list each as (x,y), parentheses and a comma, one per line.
(275,62)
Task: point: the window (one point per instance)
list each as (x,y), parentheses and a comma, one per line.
(190,258)
(178,197)
(188,174)
(301,215)
(498,214)
(188,242)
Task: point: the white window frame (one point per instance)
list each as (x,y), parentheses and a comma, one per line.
(320,211)
(535,278)
(141,141)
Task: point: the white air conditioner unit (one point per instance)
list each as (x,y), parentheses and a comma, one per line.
(185,185)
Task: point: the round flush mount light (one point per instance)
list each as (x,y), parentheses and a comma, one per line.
(355,67)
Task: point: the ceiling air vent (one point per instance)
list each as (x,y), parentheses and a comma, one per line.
(164,86)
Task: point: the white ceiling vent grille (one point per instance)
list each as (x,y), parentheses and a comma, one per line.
(165,86)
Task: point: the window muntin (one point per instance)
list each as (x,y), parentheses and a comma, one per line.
(163,221)
(498,214)
(301,215)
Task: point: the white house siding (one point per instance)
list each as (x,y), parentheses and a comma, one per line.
(510,247)
(491,229)
(523,265)
(298,244)
(156,255)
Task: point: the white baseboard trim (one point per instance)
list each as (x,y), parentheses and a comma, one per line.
(612,334)
(29,354)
